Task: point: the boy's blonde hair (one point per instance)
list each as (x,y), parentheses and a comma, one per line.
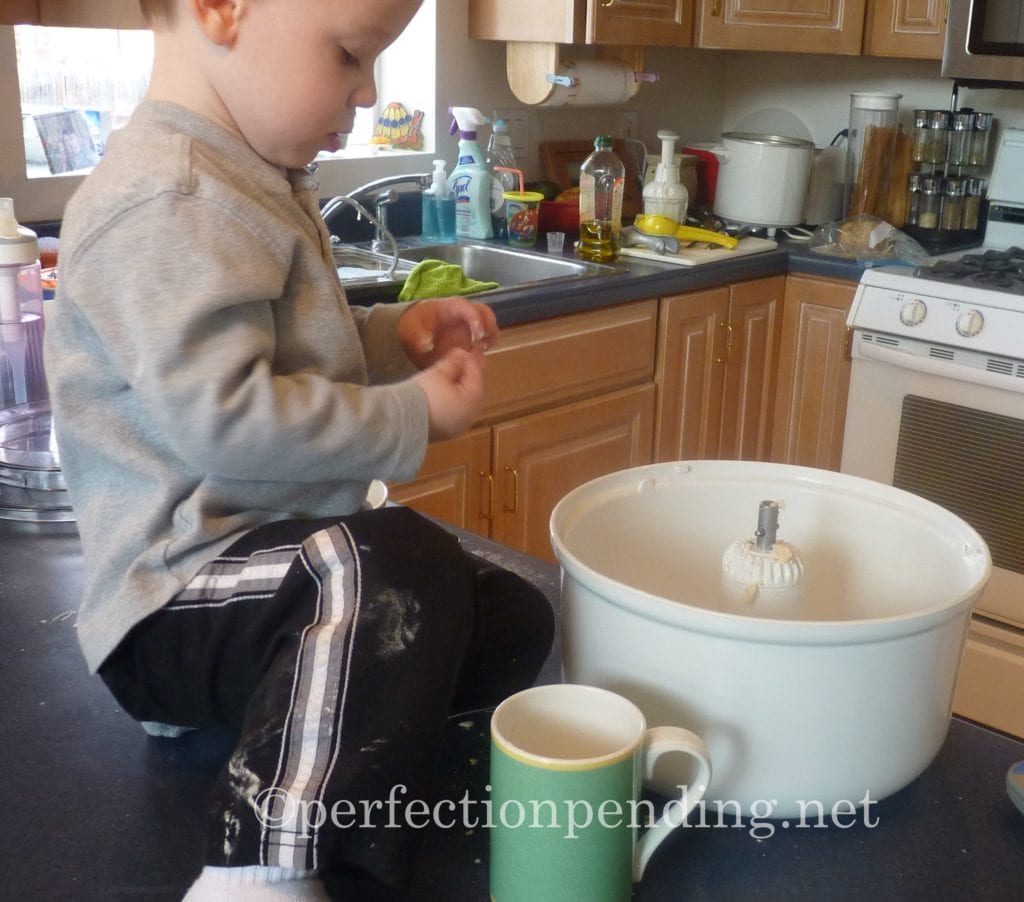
(158,12)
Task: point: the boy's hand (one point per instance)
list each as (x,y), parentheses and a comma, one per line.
(429,329)
(454,387)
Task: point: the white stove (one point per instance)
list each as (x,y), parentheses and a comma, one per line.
(936,407)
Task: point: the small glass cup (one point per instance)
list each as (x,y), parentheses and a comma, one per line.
(522,209)
(556,242)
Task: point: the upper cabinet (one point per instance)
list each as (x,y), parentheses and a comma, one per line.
(915,29)
(646,22)
(800,26)
(84,13)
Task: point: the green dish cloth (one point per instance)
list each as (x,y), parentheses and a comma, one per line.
(437,279)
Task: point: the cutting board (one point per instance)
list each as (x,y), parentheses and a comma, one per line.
(694,256)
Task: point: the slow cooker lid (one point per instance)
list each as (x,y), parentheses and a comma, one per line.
(773,140)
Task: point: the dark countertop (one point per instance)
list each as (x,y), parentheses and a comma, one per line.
(97,810)
(636,279)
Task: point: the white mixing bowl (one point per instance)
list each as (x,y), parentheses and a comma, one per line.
(848,701)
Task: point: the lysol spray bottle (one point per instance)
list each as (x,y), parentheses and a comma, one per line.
(470,180)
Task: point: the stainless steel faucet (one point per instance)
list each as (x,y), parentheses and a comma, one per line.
(380,194)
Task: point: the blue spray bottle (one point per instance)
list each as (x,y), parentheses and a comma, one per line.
(470,180)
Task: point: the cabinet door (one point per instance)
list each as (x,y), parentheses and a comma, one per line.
(814,373)
(668,23)
(795,26)
(913,29)
(83,13)
(690,374)
(560,21)
(454,483)
(755,319)
(539,458)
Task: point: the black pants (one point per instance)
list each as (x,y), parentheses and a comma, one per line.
(338,649)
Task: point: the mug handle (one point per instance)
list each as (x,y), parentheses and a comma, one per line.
(659,741)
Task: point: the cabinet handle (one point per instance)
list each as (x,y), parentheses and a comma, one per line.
(488,515)
(515,491)
(728,344)
(848,344)
(716,7)
(607,3)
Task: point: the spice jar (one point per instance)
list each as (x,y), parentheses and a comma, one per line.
(974,192)
(952,211)
(919,139)
(960,138)
(913,198)
(980,139)
(931,197)
(939,122)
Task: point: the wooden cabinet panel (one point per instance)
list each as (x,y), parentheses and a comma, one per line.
(455,484)
(814,373)
(755,319)
(912,29)
(648,22)
(716,371)
(795,26)
(537,365)
(82,13)
(666,23)
(690,375)
(540,458)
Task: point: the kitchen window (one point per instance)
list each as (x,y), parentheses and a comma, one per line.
(78,84)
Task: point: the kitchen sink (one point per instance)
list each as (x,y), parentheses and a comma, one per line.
(364,272)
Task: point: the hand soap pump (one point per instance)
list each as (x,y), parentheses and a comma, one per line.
(21,313)
(666,195)
(470,180)
(439,209)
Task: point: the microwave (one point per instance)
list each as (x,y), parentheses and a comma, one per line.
(985,42)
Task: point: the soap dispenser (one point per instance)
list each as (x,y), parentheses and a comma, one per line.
(439,209)
(666,195)
(21,313)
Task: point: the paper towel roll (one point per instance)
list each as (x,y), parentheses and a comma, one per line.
(595,83)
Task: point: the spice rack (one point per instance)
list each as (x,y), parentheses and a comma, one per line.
(946,196)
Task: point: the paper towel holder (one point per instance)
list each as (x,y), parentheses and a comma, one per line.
(528,65)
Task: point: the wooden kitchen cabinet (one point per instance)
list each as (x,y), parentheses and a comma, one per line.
(645,22)
(911,29)
(82,13)
(716,371)
(794,26)
(568,399)
(814,372)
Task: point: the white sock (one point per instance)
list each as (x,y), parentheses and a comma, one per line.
(256,884)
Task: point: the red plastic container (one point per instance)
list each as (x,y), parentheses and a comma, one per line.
(707,173)
(563,216)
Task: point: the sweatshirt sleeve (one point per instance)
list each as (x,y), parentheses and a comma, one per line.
(242,363)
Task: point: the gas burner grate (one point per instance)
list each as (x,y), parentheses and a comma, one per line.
(999,270)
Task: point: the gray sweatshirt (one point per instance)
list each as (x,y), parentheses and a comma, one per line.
(206,373)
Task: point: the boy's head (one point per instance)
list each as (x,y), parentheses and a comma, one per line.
(284,75)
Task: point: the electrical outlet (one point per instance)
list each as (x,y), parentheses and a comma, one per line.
(629,125)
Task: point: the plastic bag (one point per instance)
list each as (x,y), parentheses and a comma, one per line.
(867,239)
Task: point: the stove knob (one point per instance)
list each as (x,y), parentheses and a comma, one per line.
(913,312)
(970,323)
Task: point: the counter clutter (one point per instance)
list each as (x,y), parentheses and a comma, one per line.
(105,812)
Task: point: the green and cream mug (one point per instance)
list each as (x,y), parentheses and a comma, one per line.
(567,767)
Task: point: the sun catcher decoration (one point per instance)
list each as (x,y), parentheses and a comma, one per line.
(398,128)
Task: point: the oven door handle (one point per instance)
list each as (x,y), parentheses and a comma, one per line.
(944,368)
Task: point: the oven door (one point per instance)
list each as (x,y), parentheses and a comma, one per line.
(954,435)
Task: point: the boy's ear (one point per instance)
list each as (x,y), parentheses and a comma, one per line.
(218,19)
